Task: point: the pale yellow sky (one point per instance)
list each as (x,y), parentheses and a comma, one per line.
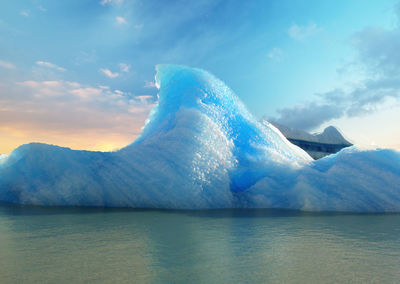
(377,129)
(71,115)
(380,129)
(93,140)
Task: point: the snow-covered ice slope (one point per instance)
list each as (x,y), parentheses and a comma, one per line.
(201,148)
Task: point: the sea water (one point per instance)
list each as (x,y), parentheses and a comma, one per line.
(85,245)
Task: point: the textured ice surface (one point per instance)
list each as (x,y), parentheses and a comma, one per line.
(201,148)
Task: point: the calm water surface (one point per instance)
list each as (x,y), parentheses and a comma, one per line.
(70,245)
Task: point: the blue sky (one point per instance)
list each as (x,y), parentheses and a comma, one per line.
(73,67)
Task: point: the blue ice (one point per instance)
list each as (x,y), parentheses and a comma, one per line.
(201,148)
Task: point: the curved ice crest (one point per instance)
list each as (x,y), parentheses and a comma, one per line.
(201,148)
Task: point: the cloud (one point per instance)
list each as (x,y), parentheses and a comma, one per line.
(86,57)
(108,73)
(303,32)
(378,49)
(50,65)
(120,20)
(124,67)
(60,112)
(275,54)
(150,84)
(7,65)
(138,26)
(24,13)
(107,2)
(309,116)
(145,99)
(41,8)
(377,53)
(363,99)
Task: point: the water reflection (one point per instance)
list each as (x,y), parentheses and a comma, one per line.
(63,245)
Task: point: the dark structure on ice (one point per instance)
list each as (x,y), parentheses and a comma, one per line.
(328,142)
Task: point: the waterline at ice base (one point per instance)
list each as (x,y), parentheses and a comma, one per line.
(201,149)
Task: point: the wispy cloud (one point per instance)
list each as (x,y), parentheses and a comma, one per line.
(106,2)
(41,8)
(50,65)
(138,26)
(24,13)
(86,57)
(120,20)
(150,84)
(61,111)
(275,54)
(109,73)
(7,65)
(377,50)
(124,67)
(303,32)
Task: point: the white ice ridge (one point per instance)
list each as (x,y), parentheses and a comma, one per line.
(202,149)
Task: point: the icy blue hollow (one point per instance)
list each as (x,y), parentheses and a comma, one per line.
(199,149)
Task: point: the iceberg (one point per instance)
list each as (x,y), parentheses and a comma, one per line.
(200,149)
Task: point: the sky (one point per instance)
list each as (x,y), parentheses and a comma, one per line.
(80,73)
